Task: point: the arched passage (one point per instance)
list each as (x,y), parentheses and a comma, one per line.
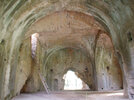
(54,56)
(17,17)
(63,60)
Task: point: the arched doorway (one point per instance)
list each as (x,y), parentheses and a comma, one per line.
(63,60)
(73,82)
(55,63)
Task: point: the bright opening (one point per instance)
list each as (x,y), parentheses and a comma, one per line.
(34,44)
(72,82)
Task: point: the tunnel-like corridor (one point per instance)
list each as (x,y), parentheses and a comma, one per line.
(45,39)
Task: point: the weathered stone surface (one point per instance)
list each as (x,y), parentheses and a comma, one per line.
(60,24)
(108,70)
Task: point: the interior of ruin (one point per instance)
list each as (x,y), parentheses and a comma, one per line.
(92,39)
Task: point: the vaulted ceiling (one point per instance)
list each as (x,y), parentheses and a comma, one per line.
(85,25)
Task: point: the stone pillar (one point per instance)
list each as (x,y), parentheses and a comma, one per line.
(130,74)
(125,87)
(120,59)
(129,71)
(130,81)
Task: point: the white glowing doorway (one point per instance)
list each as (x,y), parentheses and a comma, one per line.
(72,82)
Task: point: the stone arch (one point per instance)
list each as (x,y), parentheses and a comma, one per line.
(121,62)
(19,16)
(59,69)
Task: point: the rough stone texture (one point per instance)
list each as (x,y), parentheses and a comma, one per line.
(66,25)
(17,23)
(68,59)
(107,67)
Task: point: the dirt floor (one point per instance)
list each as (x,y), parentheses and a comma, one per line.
(73,95)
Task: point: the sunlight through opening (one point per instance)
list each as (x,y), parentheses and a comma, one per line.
(72,82)
(34,44)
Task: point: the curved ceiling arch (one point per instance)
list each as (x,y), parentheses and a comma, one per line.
(39,10)
(51,52)
(18,16)
(68,59)
(24,18)
(43,13)
(66,27)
